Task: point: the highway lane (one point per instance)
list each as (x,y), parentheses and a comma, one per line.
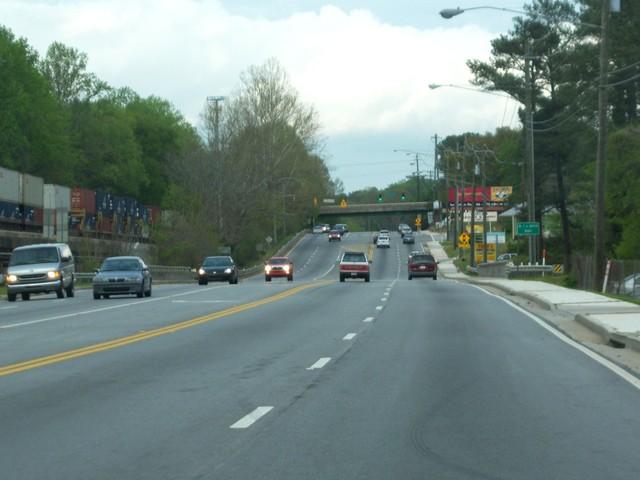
(389,379)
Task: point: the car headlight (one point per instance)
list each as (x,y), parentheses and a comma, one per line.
(228,271)
(53,275)
(201,271)
(99,280)
(267,269)
(287,268)
(12,278)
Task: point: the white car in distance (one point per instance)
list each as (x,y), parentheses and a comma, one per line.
(384,241)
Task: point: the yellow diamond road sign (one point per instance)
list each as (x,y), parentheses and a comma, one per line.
(464,238)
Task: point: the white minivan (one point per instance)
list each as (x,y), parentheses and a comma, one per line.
(40,268)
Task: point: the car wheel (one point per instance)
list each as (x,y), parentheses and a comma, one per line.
(70,290)
(106,295)
(342,278)
(435,278)
(11,297)
(96,296)
(267,278)
(366,279)
(410,277)
(26,296)
(290,278)
(148,292)
(140,294)
(202,282)
(60,292)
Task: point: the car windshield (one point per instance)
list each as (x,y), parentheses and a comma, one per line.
(278,261)
(32,256)
(216,262)
(120,265)
(354,257)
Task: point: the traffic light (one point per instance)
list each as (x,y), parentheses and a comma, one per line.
(402,197)
(379,197)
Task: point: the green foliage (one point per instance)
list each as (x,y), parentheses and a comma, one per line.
(33,128)
(111,156)
(623,192)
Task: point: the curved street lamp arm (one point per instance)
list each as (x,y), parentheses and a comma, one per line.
(452,12)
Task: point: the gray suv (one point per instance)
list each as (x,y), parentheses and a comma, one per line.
(40,268)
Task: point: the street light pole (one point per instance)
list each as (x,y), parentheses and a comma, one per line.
(417,155)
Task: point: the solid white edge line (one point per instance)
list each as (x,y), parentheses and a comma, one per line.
(252,418)
(633,380)
(320,363)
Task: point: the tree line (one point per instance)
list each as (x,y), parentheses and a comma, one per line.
(244,185)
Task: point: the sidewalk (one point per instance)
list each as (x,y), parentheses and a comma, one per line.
(616,321)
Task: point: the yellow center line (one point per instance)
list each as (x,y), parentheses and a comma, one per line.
(120,342)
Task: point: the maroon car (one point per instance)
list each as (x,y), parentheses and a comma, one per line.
(422,265)
(334,235)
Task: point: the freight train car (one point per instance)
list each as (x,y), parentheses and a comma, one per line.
(28,204)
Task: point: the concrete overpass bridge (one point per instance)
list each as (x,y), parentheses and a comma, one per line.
(344,210)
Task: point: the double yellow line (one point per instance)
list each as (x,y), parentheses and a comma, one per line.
(121,342)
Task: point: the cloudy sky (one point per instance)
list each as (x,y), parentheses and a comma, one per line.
(364,65)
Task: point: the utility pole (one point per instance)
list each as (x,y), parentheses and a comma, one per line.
(531,201)
(418,175)
(436,176)
(598,252)
(215,142)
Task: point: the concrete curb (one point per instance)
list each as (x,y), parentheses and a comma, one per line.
(604,316)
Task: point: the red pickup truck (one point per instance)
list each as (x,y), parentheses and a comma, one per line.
(354,265)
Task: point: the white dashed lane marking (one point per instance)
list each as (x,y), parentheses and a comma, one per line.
(252,418)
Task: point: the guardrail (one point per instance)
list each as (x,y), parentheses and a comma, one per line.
(166,274)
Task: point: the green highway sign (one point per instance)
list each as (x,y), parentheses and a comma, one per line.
(528,228)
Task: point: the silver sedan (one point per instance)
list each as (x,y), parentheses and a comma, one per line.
(122,276)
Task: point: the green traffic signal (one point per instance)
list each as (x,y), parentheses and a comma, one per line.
(402,196)
(380,197)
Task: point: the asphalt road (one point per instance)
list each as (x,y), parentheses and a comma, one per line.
(313,379)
